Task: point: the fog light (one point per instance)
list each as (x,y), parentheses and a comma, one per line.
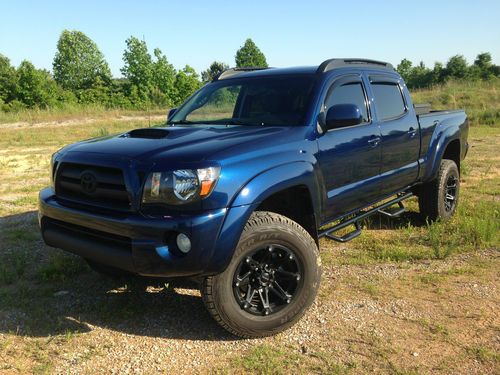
(183,243)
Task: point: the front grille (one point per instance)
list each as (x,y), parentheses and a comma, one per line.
(90,185)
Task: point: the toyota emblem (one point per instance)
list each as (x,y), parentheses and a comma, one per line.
(88,182)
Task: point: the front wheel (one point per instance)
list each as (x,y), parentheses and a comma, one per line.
(272,279)
(438,199)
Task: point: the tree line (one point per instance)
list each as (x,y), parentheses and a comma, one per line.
(81,75)
(457,68)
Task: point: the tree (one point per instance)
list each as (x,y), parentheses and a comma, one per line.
(35,87)
(163,78)
(250,56)
(484,65)
(421,76)
(437,73)
(138,66)
(78,63)
(214,70)
(457,67)
(404,69)
(186,83)
(8,80)
(483,60)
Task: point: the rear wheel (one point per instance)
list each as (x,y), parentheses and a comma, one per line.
(271,281)
(438,199)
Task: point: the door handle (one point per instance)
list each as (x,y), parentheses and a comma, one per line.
(374,141)
(412,131)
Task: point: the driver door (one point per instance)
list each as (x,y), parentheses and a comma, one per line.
(349,157)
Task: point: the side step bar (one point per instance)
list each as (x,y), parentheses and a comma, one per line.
(382,209)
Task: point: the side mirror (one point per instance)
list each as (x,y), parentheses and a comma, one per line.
(171,112)
(341,115)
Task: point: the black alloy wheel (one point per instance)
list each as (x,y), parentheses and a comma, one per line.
(267,279)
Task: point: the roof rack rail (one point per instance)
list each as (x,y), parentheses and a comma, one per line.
(349,62)
(233,71)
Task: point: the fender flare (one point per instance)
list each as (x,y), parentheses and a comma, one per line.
(248,199)
(439,143)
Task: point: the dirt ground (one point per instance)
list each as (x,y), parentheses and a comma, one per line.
(397,313)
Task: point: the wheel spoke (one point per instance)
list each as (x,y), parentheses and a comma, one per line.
(450,197)
(278,290)
(264,298)
(287,274)
(250,294)
(241,279)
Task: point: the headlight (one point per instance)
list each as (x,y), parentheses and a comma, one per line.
(180,186)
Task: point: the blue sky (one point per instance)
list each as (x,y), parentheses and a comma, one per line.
(288,32)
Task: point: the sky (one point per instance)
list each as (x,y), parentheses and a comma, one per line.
(289,33)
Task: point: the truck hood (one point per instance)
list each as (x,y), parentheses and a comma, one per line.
(181,143)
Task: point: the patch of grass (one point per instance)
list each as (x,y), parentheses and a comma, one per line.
(73,112)
(480,99)
(61,267)
(267,359)
(435,328)
(484,354)
(473,227)
(101,132)
(13,267)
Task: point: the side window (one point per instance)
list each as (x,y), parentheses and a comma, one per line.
(348,93)
(388,100)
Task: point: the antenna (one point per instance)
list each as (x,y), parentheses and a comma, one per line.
(147,103)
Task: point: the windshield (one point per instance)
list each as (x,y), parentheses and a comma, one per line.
(249,101)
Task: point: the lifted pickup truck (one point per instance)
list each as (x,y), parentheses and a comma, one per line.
(235,188)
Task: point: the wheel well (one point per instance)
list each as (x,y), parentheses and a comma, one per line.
(296,204)
(452,152)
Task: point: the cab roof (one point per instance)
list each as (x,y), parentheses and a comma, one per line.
(324,67)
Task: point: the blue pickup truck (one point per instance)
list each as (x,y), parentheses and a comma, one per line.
(242,181)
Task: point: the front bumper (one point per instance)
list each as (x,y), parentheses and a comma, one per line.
(140,244)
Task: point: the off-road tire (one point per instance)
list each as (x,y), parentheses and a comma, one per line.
(261,229)
(432,200)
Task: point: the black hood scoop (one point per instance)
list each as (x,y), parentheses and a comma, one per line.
(148,133)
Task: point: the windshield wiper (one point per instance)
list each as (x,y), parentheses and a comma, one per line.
(182,122)
(226,122)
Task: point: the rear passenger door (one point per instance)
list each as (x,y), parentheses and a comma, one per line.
(399,131)
(349,157)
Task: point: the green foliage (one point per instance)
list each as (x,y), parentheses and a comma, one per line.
(250,56)
(35,87)
(82,78)
(186,82)
(456,68)
(215,69)
(138,68)
(78,63)
(8,80)
(164,92)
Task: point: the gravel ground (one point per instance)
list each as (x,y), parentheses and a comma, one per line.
(107,327)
